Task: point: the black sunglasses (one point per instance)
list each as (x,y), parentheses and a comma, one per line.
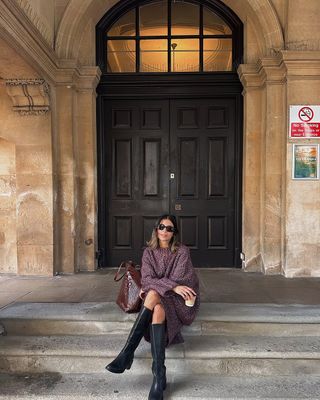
(168,228)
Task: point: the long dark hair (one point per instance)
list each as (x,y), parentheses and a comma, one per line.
(153,243)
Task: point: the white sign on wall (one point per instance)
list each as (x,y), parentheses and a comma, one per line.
(304,121)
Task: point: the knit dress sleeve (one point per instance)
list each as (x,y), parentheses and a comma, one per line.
(183,271)
(150,279)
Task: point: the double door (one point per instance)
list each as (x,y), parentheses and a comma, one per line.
(175,156)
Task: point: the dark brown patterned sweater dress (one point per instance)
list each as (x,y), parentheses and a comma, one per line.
(162,271)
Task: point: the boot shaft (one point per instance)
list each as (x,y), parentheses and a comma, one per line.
(158,367)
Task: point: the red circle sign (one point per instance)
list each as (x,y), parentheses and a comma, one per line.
(305,114)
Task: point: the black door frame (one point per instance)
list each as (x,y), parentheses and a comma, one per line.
(168,86)
(179,86)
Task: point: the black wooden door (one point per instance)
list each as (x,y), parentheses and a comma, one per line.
(204,162)
(177,156)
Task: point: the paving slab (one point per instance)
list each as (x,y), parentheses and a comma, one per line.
(180,387)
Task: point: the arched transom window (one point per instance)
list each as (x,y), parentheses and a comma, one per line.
(169,36)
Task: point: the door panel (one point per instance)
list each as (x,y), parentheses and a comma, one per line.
(137,169)
(202,147)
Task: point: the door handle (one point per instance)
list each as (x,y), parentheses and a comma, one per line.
(178,207)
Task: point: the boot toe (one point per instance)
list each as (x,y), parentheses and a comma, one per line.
(114,369)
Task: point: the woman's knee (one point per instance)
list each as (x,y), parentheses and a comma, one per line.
(153,293)
(159,314)
(152,298)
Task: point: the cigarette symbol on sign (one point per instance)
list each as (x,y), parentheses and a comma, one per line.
(305,114)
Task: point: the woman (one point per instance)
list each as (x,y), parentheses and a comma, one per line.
(168,281)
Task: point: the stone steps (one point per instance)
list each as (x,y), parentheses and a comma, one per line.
(232,351)
(214,318)
(55,386)
(221,355)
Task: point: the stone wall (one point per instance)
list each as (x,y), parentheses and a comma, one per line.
(26,194)
(302,217)
(26,197)
(48,162)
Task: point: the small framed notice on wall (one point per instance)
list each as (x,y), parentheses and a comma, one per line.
(305,163)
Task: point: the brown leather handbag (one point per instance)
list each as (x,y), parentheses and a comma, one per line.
(128,298)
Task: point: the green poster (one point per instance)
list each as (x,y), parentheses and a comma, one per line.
(305,161)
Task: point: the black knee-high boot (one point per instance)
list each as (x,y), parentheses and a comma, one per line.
(125,358)
(158,368)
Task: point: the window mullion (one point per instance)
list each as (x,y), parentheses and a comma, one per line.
(137,40)
(201,39)
(169,36)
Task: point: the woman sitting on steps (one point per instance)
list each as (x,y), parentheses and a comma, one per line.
(170,287)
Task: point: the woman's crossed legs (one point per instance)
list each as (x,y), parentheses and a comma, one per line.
(153,302)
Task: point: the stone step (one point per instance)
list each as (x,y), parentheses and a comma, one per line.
(213,318)
(56,386)
(217,355)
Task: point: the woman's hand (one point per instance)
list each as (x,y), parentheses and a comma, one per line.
(185,292)
(142,294)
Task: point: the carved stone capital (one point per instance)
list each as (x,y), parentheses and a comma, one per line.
(268,70)
(29,96)
(87,78)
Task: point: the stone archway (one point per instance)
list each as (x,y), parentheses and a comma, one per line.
(264,34)
(76,18)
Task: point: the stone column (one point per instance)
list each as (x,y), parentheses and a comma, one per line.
(264,163)
(86,170)
(252,135)
(64,179)
(75,170)
(273,166)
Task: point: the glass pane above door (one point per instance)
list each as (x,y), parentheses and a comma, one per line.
(185,55)
(121,56)
(154,19)
(217,54)
(213,24)
(154,55)
(125,26)
(185,18)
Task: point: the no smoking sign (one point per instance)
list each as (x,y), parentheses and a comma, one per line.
(304,121)
(306,114)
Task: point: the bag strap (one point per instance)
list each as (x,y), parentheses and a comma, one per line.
(116,277)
